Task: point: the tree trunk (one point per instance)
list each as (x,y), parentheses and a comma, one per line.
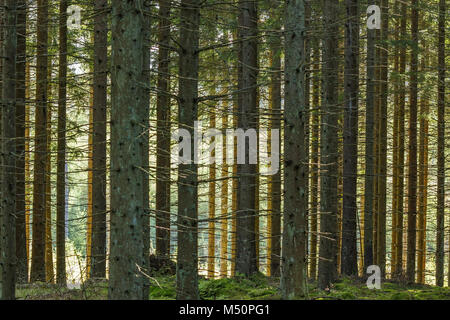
(329,147)
(349,262)
(247,119)
(412,174)
(61,156)
(440,214)
(129,118)
(40,155)
(294,258)
(163,134)
(8,174)
(187,255)
(21,235)
(98,250)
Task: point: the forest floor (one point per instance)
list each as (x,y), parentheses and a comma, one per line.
(257,287)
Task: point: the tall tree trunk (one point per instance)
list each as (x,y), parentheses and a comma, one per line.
(40,155)
(440,214)
(163,134)
(61,154)
(412,174)
(247,119)
(21,235)
(8,174)
(274,194)
(315,131)
(98,250)
(369,179)
(129,118)
(294,258)
(329,145)
(212,202)
(349,264)
(49,273)
(187,255)
(382,130)
(224,199)
(423,178)
(401,147)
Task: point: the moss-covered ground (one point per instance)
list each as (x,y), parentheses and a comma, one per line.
(257,287)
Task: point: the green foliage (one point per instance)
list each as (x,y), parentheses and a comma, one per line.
(257,287)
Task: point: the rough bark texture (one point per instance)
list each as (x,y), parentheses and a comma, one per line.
(351,90)
(187,257)
(412,170)
(274,213)
(98,251)
(40,155)
(8,145)
(21,240)
(163,134)
(369,152)
(129,115)
(294,260)
(247,118)
(441,149)
(61,156)
(329,147)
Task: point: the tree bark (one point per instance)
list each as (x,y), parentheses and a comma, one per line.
(187,255)
(129,118)
(329,147)
(349,262)
(40,157)
(294,258)
(8,174)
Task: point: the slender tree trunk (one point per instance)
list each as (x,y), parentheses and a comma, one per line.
(382,173)
(315,131)
(423,179)
(40,156)
(212,204)
(163,134)
(187,255)
(21,235)
(329,145)
(98,250)
(349,264)
(61,156)
(8,174)
(412,179)
(294,258)
(401,147)
(49,272)
(247,119)
(274,212)
(129,122)
(224,199)
(369,197)
(440,214)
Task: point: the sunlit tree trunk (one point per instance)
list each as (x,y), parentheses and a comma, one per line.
(412,174)
(40,154)
(21,234)
(61,155)
(440,214)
